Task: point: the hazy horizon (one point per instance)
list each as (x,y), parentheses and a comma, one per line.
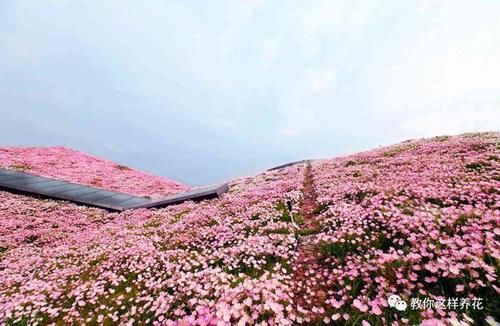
(202,93)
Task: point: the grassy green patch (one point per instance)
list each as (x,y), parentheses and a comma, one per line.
(383,243)
(338,249)
(95,262)
(255,216)
(265,316)
(178,216)
(297,217)
(463,218)
(42,318)
(320,209)
(249,230)
(252,271)
(285,215)
(350,163)
(435,201)
(31,239)
(277,231)
(477,166)
(359,196)
(407,211)
(314,230)
(212,223)
(152,223)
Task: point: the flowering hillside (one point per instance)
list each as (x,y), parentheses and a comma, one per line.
(73,166)
(327,243)
(419,219)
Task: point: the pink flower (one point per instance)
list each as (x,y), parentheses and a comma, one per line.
(454,270)
(401,217)
(376,310)
(432,322)
(361,306)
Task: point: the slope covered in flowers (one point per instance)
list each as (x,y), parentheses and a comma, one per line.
(217,261)
(418,219)
(73,166)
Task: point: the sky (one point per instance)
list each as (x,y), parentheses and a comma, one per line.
(204,91)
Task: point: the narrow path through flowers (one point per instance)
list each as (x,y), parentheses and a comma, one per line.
(419,219)
(309,203)
(309,295)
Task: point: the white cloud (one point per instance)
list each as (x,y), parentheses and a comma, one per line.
(270,50)
(221,122)
(433,72)
(237,15)
(452,120)
(300,110)
(447,81)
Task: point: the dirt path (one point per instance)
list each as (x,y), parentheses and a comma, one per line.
(309,296)
(309,203)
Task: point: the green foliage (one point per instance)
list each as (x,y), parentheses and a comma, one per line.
(277,231)
(356,286)
(250,230)
(359,196)
(338,249)
(257,271)
(382,243)
(285,215)
(95,262)
(479,147)
(31,239)
(435,201)
(309,231)
(477,166)
(463,218)
(255,216)
(22,322)
(178,216)
(320,209)
(297,217)
(152,223)
(407,211)
(212,223)
(265,316)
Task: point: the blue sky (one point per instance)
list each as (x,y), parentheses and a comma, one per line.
(204,91)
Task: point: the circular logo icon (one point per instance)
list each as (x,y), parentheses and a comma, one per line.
(393,299)
(401,305)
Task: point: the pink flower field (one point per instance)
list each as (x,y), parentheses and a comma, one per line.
(326,244)
(73,166)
